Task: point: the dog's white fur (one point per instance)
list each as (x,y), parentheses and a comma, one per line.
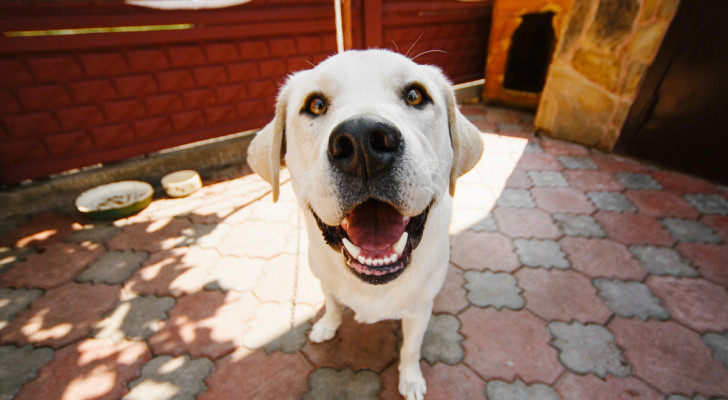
(440,145)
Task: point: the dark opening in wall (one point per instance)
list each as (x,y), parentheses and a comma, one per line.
(529,55)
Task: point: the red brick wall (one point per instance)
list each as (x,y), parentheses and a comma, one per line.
(71,101)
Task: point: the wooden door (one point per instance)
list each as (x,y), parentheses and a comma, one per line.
(680,116)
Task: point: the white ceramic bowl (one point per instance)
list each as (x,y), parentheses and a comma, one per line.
(181,183)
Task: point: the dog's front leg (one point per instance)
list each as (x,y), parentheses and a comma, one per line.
(411,382)
(326,327)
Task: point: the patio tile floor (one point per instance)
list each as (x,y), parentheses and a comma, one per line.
(574,274)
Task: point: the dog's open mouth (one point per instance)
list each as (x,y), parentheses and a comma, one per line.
(376,240)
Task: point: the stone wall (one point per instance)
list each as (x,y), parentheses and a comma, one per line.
(601,58)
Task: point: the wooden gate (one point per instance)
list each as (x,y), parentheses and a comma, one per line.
(88,82)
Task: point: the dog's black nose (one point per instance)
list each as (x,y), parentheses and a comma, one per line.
(364,145)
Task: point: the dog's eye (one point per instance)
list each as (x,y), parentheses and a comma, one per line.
(315,105)
(414,97)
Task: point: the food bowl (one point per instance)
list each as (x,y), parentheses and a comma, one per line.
(181,183)
(115,200)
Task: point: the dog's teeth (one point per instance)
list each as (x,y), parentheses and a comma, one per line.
(386,261)
(361,260)
(401,243)
(405,219)
(351,248)
(369,262)
(394,258)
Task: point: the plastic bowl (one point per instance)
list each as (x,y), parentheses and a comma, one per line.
(115,200)
(181,183)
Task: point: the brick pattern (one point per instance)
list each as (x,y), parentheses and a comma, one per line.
(539,301)
(72,104)
(68,109)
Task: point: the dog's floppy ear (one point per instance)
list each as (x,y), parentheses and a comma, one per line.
(464,136)
(266,150)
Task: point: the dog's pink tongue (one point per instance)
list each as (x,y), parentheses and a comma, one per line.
(374,225)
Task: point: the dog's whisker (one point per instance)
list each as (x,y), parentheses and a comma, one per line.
(413,44)
(396,47)
(428,51)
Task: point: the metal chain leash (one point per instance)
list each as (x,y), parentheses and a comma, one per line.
(294,295)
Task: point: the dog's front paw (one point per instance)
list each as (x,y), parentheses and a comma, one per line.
(412,385)
(322,332)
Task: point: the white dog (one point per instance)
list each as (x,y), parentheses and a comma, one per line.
(374,143)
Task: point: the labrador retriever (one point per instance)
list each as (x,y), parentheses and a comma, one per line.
(374,144)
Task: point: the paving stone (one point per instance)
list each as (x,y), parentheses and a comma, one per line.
(718,223)
(526,222)
(173,272)
(13,301)
(602,258)
(517,390)
(273,321)
(661,203)
(486,289)
(134,319)
(442,342)
(588,349)
(205,324)
(93,233)
(447,382)
(541,253)
(708,258)
(10,256)
(246,375)
(88,369)
(452,297)
(662,261)
(562,200)
(697,303)
(290,342)
(495,351)
(708,203)
(235,273)
(561,295)
(577,162)
(548,178)
(592,181)
(195,233)
(518,179)
(629,228)
(18,366)
(611,201)
(151,236)
(170,378)
(575,387)
(58,264)
(40,231)
(358,345)
(682,183)
(670,357)
(54,320)
(279,279)
(485,225)
(613,163)
(563,148)
(329,383)
(113,267)
(688,230)
(579,225)
(679,397)
(533,147)
(637,180)
(480,250)
(257,239)
(630,299)
(719,344)
(539,161)
(516,198)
